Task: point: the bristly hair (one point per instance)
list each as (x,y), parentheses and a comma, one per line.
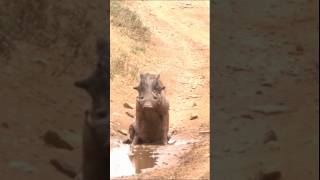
(151,79)
(147,78)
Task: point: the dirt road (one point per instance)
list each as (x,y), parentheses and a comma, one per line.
(266,79)
(179,51)
(257,48)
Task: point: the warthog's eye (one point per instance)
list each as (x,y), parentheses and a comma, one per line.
(155,94)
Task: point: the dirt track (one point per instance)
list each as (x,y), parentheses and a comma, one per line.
(268,46)
(179,51)
(37,92)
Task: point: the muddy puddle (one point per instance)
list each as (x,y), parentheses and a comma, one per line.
(126,160)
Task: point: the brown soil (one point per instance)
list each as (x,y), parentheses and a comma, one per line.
(179,51)
(53,45)
(37,92)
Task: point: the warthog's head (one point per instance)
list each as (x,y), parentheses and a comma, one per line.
(149,89)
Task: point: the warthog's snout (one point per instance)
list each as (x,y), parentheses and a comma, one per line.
(147,105)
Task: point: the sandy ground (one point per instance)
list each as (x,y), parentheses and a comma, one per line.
(37,93)
(179,51)
(252,49)
(268,46)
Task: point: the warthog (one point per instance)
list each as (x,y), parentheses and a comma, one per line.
(152,112)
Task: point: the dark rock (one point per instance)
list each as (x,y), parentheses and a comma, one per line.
(270,136)
(247,116)
(259,92)
(273,175)
(130,115)
(122,132)
(128,106)
(193,117)
(267,84)
(5,125)
(270,109)
(64,167)
(53,139)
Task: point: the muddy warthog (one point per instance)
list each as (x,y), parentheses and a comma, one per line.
(95,130)
(152,112)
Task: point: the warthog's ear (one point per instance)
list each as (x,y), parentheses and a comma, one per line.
(158,77)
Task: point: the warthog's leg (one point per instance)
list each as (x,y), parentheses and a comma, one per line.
(165,120)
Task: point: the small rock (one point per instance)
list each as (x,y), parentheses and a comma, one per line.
(299,49)
(171,141)
(5,125)
(63,167)
(123,132)
(128,106)
(194,96)
(273,175)
(130,115)
(270,109)
(267,84)
(247,116)
(204,132)
(53,139)
(270,136)
(40,61)
(194,104)
(259,92)
(193,117)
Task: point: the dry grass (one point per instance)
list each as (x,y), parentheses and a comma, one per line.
(129,41)
(120,65)
(129,22)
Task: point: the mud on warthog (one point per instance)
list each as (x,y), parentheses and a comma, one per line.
(152,112)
